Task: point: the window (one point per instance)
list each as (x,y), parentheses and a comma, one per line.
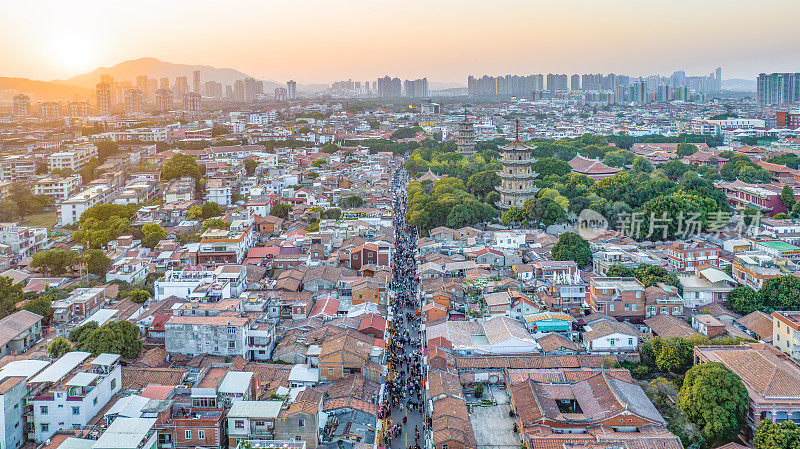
(43,409)
(76,410)
(113,383)
(634,306)
(231,344)
(611,307)
(94,402)
(231,330)
(201,434)
(238,424)
(630,342)
(301,422)
(612,342)
(187,434)
(45,427)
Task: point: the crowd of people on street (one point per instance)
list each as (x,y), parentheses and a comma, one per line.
(403,405)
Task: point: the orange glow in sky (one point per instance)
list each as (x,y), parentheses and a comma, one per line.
(445,40)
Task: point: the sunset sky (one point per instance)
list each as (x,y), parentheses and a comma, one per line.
(326,40)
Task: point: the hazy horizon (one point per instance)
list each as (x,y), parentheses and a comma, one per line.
(316,42)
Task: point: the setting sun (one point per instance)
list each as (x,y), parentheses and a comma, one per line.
(73,53)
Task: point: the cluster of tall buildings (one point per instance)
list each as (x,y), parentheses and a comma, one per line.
(157,92)
(389,87)
(165,94)
(778,88)
(523,86)
(622,87)
(385,87)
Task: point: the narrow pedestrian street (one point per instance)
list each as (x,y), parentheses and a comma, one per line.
(403,405)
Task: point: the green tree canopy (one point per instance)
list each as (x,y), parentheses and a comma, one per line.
(782,435)
(551,166)
(211,209)
(214,223)
(715,400)
(352,202)
(55,262)
(515,214)
(97,263)
(281,210)
(743,300)
(330,148)
(152,234)
(41,305)
(250,166)
(787,197)
(180,165)
(571,246)
(139,295)
(483,182)
(686,149)
(405,133)
(121,337)
(780,293)
(10,295)
(104,222)
(59,347)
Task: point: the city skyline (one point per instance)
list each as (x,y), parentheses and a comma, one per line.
(321,45)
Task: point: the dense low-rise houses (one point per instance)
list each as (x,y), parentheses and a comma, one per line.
(277,331)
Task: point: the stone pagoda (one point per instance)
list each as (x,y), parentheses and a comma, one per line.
(516,178)
(466,136)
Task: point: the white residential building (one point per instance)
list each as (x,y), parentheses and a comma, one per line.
(66,396)
(226,336)
(137,192)
(56,187)
(14,380)
(248,419)
(202,283)
(73,159)
(16,167)
(22,241)
(70,210)
(508,240)
(220,195)
(130,269)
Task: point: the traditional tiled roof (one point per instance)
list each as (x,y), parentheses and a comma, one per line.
(556,342)
(762,371)
(601,328)
(586,166)
(599,397)
(759,323)
(136,378)
(666,326)
(529,361)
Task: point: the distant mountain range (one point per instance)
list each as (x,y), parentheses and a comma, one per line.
(81,87)
(746,85)
(43,90)
(155,68)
